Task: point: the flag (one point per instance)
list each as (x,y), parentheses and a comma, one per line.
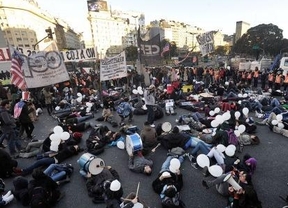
(165,49)
(17,77)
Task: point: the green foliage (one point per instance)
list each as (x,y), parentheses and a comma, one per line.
(264,38)
(131,53)
(221,50)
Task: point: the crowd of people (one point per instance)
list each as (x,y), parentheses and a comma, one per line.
(220,102)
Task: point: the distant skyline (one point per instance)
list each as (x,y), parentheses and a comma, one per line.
(207,14)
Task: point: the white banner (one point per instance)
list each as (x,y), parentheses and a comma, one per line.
(69,55)
(44,68)
(206,42)
(80,54)
(113,67)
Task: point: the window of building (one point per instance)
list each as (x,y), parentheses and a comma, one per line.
(27,45)
(19,39)
(23,33)
(20,45)
(25,39)
(8,31)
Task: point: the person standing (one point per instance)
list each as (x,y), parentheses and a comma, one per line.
(149,97)
(48,99)
(8,129)
(25,120)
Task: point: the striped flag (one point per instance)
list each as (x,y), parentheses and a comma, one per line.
(165,49)
(17,77)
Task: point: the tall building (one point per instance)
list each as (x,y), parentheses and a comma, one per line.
(24,23)
(241,28)
(184,35)
(113,30)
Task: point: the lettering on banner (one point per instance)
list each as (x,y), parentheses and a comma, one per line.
(150,50)
(41,62)
(80,54)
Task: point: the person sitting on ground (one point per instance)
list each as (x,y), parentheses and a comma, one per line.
(20,190)
(53,158)
(4,198)
(125,110)
(246,196)
(43,191)
(139,164)
(95,183)
(60,173)
(32,149)
(168,185)
(7,164)
(148,137)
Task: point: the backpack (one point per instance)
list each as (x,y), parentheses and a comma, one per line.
(39,197)
(232,138)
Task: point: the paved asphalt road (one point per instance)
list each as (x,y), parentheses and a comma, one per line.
(270,178)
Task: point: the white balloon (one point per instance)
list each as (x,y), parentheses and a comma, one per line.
(237,114)
(215,170)
(120,145)
(115,185)
(79,99)
(230,150)
(57,108)
(240,95)
(281,125)
(65,135)
(79,94)
(214,123)
(139,88)
(203,160)
(279,117)
(217,110)
(55,142)
(226,116)
(140,92)
(53,137)
(58,130)
(274,122)
(175,163)
(219,119)
(54,148)
(220,147)
(135,92)
(245,111)
(211,113)
(245,95)
(173,169)
(241,128)
(237,133)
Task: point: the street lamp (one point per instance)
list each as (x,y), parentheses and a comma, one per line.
(192,33)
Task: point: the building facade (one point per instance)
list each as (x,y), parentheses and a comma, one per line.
(241,28)
(24,23)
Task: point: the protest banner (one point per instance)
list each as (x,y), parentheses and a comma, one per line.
(206,42)
(43,69)
(113,67)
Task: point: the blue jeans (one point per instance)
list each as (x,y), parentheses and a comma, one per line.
(196,116)
(3,136)
(166,164)
(13,142)
(53,173)
(202,147)
(275,102)
(83,118)
(42,162)
(193,141)
(150,114)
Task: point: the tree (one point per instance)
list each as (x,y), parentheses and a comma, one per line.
(131,53)
(221,50)
(266,38)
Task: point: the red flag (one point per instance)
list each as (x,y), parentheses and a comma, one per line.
(17,77)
